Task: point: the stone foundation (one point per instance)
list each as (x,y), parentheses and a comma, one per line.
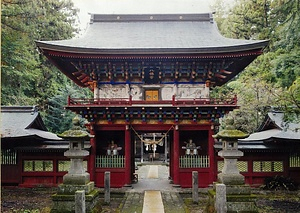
(239,199)
(67,189)
(64,200)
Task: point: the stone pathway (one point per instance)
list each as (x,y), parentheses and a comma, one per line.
(133,202)
(153,202)
(153,188)
(172,202)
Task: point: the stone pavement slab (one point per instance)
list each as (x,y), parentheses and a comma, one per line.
(173,202)
(153,172)
(153,202)
(133,203)
(153,178)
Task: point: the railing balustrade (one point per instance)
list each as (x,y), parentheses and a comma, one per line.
(114,161)
(130,102)
(194,161)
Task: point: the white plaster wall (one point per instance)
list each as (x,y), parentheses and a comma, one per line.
(167,92)
(191,91)
(186,91)
(136,92)
(114,91)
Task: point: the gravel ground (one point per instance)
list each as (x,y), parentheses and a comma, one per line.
(38,200)
(278,201)
(15,199)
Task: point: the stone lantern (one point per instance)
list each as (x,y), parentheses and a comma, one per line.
(238,194)
(230,173)
(76,137)
(77,179)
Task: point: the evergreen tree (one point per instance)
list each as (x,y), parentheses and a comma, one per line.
(272,79)
(56,117)
(27,78)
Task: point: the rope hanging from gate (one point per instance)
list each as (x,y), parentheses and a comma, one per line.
(149,141)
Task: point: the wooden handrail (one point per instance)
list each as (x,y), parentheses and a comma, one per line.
(130,102)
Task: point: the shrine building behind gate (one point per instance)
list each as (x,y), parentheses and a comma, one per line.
(151,76)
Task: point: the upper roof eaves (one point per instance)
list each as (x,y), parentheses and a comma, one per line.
(146,33)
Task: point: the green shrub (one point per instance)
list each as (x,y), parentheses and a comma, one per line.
(279,183)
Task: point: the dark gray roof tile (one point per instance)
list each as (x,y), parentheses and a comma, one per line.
(191,33)
(23,121)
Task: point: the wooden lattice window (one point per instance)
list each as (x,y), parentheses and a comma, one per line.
(37,165)
(64,165)
(241,165)
(294,160)
(8,157)
(267,166)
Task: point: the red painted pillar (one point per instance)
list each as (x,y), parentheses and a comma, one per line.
(176,156)
(20,166)
(171,148)
(55,169)
(250,170)
(128,156)
(92,158)
(211,154)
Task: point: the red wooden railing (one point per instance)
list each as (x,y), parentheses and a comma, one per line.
(129,102)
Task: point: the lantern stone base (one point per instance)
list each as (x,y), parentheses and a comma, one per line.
(76,179)
(238,199)
(68,189)
(231,179)
(64,200)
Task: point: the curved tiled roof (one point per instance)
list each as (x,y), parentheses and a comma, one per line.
(23,121)
(168,33)
(275,128)
(135,39)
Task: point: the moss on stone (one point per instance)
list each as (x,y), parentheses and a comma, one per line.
(241,198)
(75,133)
(230,134)
(211,192)
(97,208)
(59,197)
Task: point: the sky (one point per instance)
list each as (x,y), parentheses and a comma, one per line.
(139,7)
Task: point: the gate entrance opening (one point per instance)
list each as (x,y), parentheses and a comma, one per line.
(184,149)
(152,147)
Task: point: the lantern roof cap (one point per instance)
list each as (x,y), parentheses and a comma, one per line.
(230,134)
(75,133)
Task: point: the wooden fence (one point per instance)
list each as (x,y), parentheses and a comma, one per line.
(115,161)
(194,161)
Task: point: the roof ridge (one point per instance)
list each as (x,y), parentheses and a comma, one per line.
(22,109)
(208,17)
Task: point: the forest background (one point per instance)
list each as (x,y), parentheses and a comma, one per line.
(272,81)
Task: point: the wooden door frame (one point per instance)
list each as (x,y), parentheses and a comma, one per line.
(152,89)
